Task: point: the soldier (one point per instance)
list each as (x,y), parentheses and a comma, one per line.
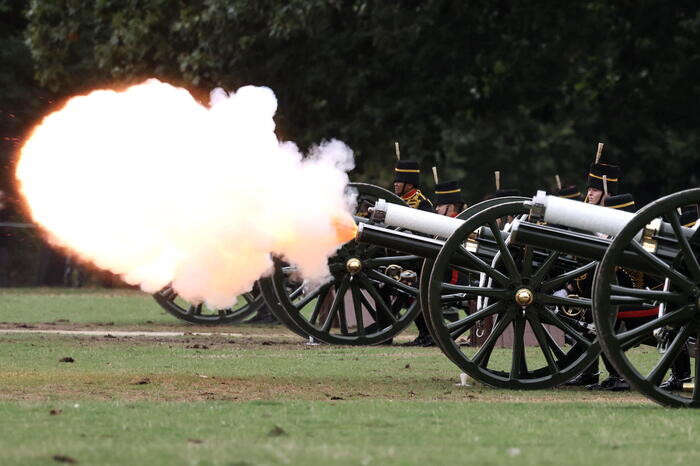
(603,181)
(680,369)
(407,186)
(631,315)
(448,202)
(448,198)
(567,192)
(502,192)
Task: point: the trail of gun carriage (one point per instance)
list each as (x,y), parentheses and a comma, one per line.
(183,284)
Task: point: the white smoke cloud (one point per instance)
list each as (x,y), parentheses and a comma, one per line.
(151,185)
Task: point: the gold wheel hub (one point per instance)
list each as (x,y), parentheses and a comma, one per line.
(353,265)
(524,297)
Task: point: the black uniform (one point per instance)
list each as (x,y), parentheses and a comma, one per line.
(408,171)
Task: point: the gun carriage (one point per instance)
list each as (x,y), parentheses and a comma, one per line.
(524,253)
(198,313)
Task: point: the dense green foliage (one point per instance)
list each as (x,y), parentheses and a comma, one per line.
(527,87)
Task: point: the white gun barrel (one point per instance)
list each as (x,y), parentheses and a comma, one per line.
(575,214)
(417,221)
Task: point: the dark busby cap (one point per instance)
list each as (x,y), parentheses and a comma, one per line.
(620,202)
(604,171)
(448,192)
(569,192)
(689,215)
(407,171)
(504,193)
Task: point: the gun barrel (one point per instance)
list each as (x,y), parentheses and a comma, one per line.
(583,245)
(394,215)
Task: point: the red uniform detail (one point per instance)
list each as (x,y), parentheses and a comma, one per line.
(638,313)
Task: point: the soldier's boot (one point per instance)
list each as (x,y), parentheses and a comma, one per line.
(263,316)
(423,338)
(680,372)
(613,383)
(589,376)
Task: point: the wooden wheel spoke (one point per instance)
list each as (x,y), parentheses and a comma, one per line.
(544,342)
(381,304)
(656,375)
(662,268)
(544,268)
(357,307)
(370,309)
(553,319)
(311,296)
(343,317)
(562,301)
(635,341)
(451,298)
(499,293)
(390,260)
(506,255)
(464,270)
(674,317)
(527,261)
(483,267)
(319,304)
(297,291)
(517,367)
(561,280)
(688,255)
(553,345)
(391,282)
(482,356)
(468,322)
(337,302)
(195,309)
(643,294)
(168,293)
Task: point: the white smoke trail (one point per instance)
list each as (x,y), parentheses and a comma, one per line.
(151,185)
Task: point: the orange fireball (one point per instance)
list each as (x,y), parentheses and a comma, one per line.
(152,185)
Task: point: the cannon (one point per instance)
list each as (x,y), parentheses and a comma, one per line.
(520,254)
(198,313)
(371,296)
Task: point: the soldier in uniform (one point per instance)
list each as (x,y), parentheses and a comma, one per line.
(448,202)
(631,315)
(603,182)
(680,369)
(567,192)
(448,198)
(407,186)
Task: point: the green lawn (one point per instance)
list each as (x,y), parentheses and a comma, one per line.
(267,398)
(81,305)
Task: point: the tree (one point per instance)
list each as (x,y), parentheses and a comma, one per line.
(525,87)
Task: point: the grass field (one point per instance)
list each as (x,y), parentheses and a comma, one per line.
(264,397)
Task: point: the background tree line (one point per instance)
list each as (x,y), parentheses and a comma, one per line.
(527,87)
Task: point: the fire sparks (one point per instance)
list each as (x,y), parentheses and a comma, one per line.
(151,185)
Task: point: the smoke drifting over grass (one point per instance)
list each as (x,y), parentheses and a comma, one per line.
(151,185)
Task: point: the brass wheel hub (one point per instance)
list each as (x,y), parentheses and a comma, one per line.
(353,265)
(524,297)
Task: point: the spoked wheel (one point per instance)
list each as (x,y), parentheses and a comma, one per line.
(514,299)
(199,313)
(450,305)
(267,289)
(676,327)
(372,294)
